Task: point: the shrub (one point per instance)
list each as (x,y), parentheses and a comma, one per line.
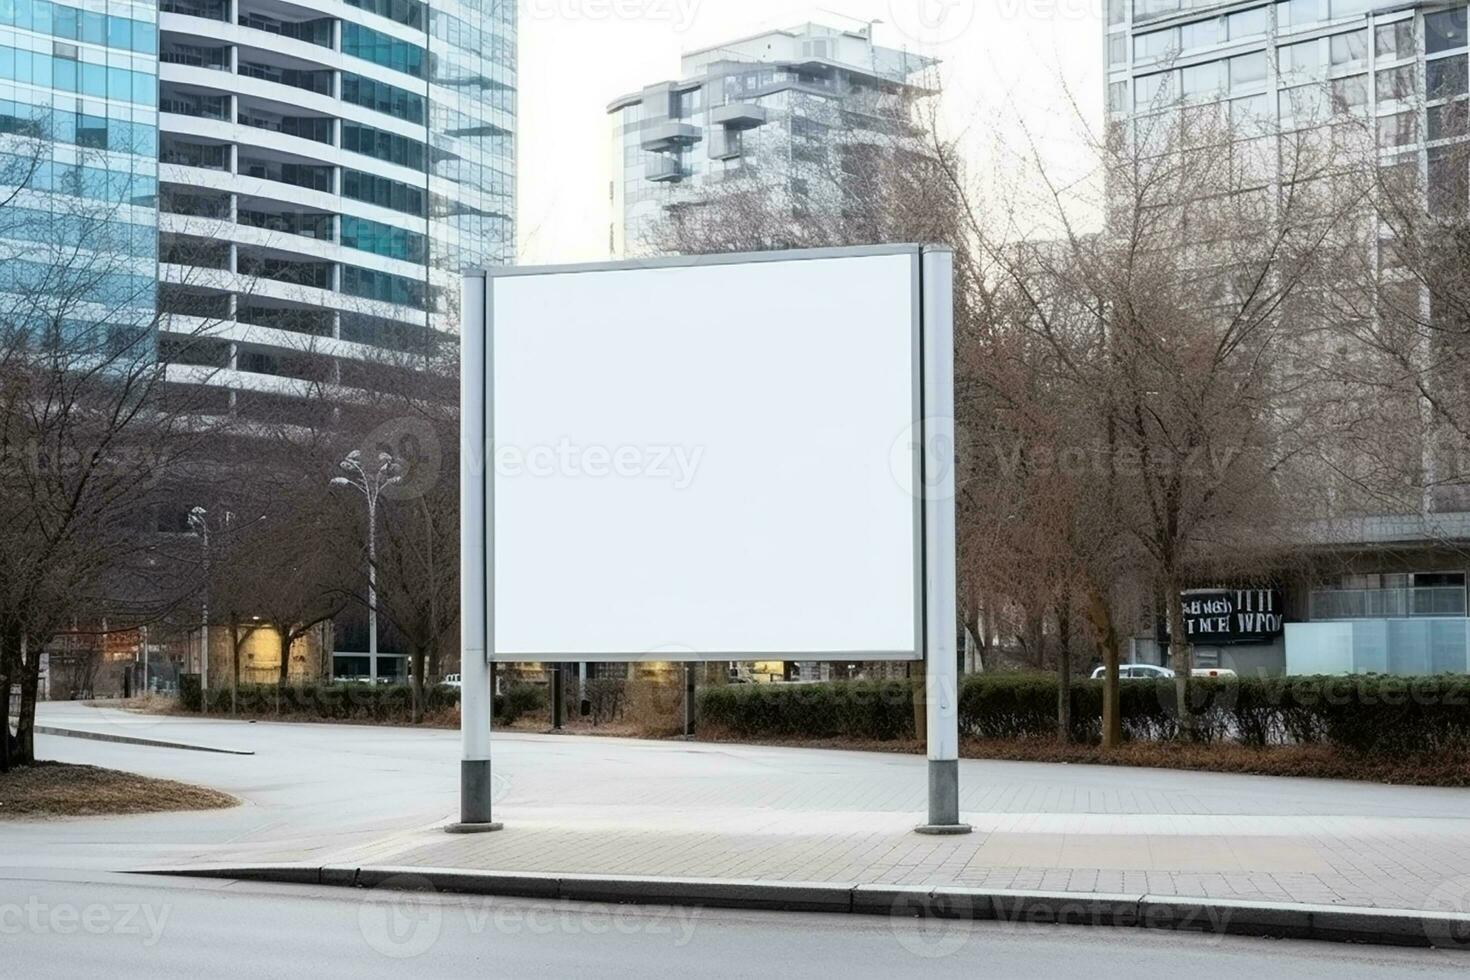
(869,710)
(1364,714)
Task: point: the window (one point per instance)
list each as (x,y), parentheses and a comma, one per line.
(1246,23)
(1199,80)
(1117,49)
(1445,77)
(1153,8)
(1117,11)
(380,49)
(1117,96)
(1449,120)
(1349,93)
(1349,8)
(1150,90)
(1302,60)
(1250,116)
(1444,31)
(381,239)
(1350,48)
(1247,70)
(1304,105)
(1200,34)
(1158,45)
(382,97)
(1394,41)
(385,193)
(1297,13)
(357,138)
(1395,83)
(1396,130)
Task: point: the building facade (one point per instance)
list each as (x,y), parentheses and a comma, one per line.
(1380,593)
(327,170)
(781,107)
(79,138)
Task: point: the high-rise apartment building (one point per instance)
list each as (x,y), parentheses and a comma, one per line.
(1390,77)
(1296,64)
(777,106)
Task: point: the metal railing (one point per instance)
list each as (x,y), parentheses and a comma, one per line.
(1388,603)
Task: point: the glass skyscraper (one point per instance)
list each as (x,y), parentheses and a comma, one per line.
(300,182)
(79,153)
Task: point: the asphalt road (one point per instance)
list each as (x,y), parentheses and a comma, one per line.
(113,927)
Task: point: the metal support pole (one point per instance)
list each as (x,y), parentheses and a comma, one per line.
(372,499)
(476,638)
(557,697)
(938,493)
(689,702)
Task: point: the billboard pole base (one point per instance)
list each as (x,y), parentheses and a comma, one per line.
(474,799)
(944,800)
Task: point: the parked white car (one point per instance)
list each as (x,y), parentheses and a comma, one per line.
(1134,672)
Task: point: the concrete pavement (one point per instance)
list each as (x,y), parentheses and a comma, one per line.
(372,796)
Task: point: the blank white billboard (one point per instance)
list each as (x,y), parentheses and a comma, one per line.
(705,460)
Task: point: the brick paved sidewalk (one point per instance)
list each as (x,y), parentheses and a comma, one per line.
(1173,843)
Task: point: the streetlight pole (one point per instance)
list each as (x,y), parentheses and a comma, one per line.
(388,473)
(199,521)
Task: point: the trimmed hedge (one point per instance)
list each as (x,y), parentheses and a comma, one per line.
(882,710)
(1364,713)
(353,702)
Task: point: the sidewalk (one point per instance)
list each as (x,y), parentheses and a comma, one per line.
(1169,839)
(602,806)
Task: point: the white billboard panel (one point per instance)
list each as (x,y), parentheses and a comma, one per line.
(705,459)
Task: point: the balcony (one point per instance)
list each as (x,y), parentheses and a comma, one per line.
(313,80)
(312,177)
(318,32)
(198,106)
(1340,604)
(661,136)
(306,225)
(666,169)
(208,9)
(318,129)
(209,156)
(739,115)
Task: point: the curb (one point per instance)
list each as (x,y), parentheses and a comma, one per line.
(134,740)
(1329,923)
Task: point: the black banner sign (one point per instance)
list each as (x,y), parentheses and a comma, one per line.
(1230,617)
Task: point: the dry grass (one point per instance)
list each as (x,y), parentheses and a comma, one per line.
(52,789)
(1304,762)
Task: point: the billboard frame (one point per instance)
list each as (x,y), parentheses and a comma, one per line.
(934,573)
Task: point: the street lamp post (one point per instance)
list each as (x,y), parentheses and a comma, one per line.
(199,522)
(388,473)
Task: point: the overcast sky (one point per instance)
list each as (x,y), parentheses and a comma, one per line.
(1007,60)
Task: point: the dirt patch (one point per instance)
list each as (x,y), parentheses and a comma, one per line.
(53,789)
(1303,762)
